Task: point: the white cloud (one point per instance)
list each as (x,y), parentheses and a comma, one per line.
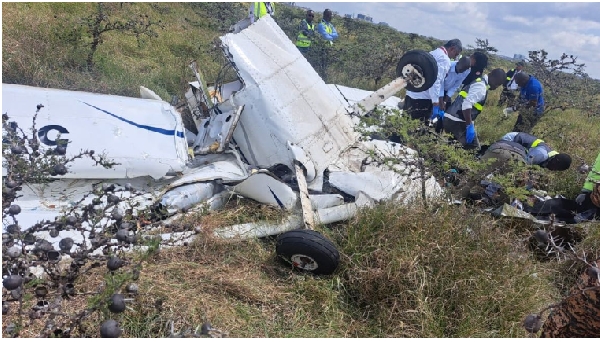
(576,41)
(519,20)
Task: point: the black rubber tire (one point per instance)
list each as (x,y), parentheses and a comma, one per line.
(303,242)
(424,63)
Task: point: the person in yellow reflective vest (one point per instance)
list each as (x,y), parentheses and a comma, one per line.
(307,32)
(529,149)
(260,9)
(589,197)
(459,119)
(326,28)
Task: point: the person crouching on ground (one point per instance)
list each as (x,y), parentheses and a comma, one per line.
(459,119)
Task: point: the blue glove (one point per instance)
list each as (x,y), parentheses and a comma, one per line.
(470,133)
(437,113)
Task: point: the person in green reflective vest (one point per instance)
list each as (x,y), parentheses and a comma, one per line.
(326,28)
(307,32)
(260,9)
(589,198)
(459,118)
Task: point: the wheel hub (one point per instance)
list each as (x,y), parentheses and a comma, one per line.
(304,262)
(413,75)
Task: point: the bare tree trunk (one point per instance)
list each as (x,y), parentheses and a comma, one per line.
(578,315)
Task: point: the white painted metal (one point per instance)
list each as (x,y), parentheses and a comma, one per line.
(376,98)
(263,187)
(285,100)
(299,155)
(145,136)
(354,95)
(322,201)
(215,132)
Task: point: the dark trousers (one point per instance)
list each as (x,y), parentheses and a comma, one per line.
(526,120)
(503,152)
(418,109)
(506,97)
(303,49)
(458,129)
(588,205)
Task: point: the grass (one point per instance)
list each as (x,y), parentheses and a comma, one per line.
(445,276)
(447,271)
(34,53)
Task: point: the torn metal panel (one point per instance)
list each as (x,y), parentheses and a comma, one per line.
(263,187)
(148,94)
(225,167)
(299,155)
(382,170)
(508,210)
(225,91)
(46,201)
(186,196)
(380,185)
(41,202)
(215,132)
(285,100)
(145,136)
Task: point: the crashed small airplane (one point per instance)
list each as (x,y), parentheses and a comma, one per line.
(278,135)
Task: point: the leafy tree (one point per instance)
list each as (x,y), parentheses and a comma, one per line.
(218,16)
(92,29)
(566,84)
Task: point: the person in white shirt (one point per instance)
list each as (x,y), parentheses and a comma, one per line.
(419,105)
(460,116)
(508,96)
(456,75)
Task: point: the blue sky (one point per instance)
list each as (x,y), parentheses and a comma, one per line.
(511,27)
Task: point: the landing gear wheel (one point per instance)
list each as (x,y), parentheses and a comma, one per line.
(308,250)
(419,69)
